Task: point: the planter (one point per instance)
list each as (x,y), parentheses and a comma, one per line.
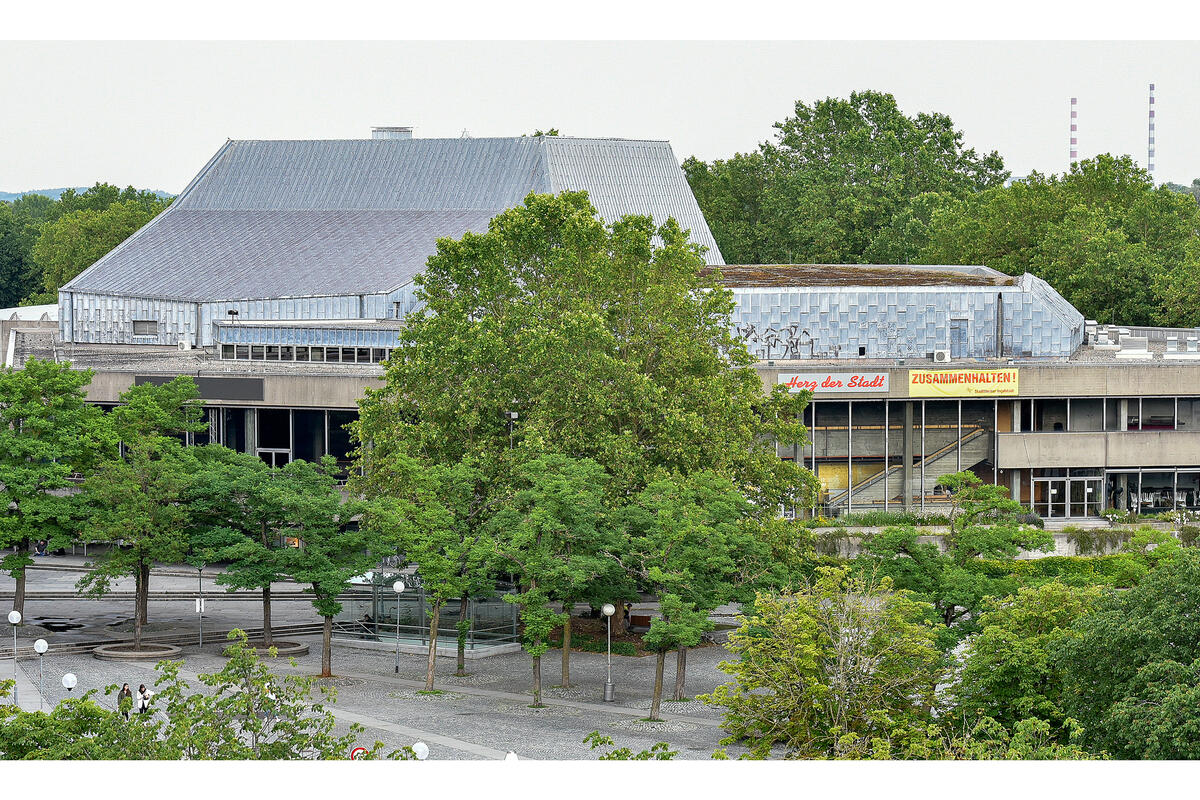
(125,652)
(283,649)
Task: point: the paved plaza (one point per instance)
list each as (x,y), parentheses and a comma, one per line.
(481,716)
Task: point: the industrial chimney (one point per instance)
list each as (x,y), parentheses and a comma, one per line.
(392,132)
(1074,130)
(1150,142)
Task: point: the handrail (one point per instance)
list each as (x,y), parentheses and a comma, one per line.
(884,473)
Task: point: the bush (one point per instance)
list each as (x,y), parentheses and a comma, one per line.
(1120,570)
(1095,541)
(887,519)
(1188,534)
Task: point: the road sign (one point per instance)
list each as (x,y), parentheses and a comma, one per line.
(199,605)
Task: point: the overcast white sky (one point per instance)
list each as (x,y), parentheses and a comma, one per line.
(150,114)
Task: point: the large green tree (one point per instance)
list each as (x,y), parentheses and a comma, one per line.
(1131,667)
(333,547)
(551,535)
(836,174)
(1008,672)
(686,542)
(239,505)
(432,511)
(47,434)
(836,670)
(135,499)
(17,235)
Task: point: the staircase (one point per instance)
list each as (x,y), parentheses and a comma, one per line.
(976,446)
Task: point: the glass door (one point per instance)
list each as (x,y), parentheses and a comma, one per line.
(1050,497)
(1085,497)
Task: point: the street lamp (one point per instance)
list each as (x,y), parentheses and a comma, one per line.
(398,588)
(421,751)
(41,647)
(14,617)
(608,609)
(69,680)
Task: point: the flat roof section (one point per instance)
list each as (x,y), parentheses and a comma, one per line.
(805,275)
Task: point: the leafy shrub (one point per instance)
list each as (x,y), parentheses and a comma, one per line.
(829,543)
(1031,519)
(1120,570)
(1188,534)
(887,519)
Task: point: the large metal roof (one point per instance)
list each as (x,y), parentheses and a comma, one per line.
(270,219)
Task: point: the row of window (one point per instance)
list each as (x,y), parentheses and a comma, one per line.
(284,352)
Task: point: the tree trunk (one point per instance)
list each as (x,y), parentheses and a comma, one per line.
(618,617)
(267,639)
(143,608)
(433,632)
(19,593)
(680,674)
(656,701)
(461,667)
(138,621)
(566,645)
(327,649)
(537,681)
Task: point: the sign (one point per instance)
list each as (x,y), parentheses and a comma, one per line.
(962,382)
(199,605)
(829,382)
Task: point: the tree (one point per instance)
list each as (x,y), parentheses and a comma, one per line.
(246,713)
(1008,673)
(538,620)
(78,239)
(983,524)
(17,236)
(659,751)
(432,509)
(730,193)
(1115,246)
(835,670)
(136,498)
(47,434)
(1129,667)
(239,505)
(333,549)
(684,541)
(552,533)
(837,173)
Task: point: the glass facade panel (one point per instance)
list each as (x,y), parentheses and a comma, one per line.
(302,354)
(1049,415)
(866,447)
(309,430)
(339,437)
(233,428)
(1158,413)
(1123,414)
(274,428)
(1087,414)
(1187,490)
(1157,492)
(830,437)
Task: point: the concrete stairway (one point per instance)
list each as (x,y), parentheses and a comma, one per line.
(976,446)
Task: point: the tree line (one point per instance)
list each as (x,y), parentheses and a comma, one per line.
(45,242)
(856,181)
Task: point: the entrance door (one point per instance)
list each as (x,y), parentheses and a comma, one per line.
(1050,497)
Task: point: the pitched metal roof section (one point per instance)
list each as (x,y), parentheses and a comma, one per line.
(270,219)
(371,174)
(629,177)
(238,255)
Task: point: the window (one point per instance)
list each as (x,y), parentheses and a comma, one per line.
(257,352)
(347,355)
(226,351)
(145,327)
(302,354)
(364,355)
(272,352)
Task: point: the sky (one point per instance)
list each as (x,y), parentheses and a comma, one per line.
(151,114)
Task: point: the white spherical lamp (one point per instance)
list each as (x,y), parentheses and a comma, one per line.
(41,646)
(398,587)
(14,617)
(608,609)
(69,681)
(421,751)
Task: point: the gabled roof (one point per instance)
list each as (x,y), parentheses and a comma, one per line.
(298,218)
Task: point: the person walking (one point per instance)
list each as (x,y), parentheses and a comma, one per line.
(144,696)
(125,700)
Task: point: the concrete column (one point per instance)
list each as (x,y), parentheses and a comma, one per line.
(907,456)
(1016,416)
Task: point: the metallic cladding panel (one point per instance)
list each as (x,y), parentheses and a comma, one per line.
(629,177)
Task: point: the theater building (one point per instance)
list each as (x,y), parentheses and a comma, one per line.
(279,277)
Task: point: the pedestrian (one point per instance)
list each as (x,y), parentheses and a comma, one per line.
(144,696)
(125,700)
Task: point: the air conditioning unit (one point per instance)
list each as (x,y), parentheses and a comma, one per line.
(941,356)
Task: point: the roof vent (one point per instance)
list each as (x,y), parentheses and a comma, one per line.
(392,132)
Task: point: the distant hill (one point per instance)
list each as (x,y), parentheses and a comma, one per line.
(53,194)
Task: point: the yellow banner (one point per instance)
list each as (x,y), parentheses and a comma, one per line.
(962,382)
